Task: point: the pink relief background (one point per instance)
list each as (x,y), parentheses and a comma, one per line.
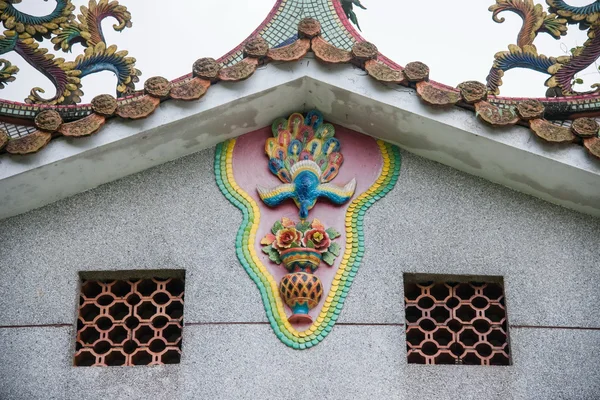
(362,160)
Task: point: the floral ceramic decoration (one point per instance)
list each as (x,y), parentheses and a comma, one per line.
(286,235)
(301,247)
(301,238)
(304,154)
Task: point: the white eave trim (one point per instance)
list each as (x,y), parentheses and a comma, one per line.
(561,174)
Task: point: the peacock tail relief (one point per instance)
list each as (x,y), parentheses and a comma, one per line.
(304,154)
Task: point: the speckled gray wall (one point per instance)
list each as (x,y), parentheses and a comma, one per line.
(436,220)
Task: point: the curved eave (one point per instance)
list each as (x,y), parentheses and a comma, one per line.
(511,156)
(340,29)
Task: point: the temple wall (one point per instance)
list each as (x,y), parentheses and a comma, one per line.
(436,220)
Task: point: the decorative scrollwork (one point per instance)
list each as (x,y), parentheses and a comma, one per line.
(24,32)
(7,72)
(348,6)
(562,70)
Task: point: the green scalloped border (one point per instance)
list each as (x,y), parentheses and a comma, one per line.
(356,216)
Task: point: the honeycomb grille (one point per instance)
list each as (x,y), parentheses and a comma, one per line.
(130,322)
(456,323)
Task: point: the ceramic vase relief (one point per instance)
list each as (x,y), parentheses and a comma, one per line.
(301,259)
(301,292)
(300,248)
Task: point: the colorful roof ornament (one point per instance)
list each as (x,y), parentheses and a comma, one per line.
(563,69)
(348,6)
(24,32)
(292,29)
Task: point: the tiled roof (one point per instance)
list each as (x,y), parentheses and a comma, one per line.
(287,37)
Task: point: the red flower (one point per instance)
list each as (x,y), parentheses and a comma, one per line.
(319,238)
(285,237)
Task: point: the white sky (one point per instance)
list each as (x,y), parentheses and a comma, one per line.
(458,43)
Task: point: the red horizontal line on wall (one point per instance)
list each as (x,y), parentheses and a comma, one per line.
(370,324)
(225,323)
(266,323)
(36,326)
(581,328)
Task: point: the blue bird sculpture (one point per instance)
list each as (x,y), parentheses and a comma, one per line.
(305,156)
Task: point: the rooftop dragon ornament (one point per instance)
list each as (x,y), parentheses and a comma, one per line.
(348,6)
(305,156)
(24,32)
(562,70)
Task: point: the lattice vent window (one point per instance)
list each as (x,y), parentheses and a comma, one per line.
(130,322)
(451,320)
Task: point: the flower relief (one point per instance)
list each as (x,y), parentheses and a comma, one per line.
(301,247)
(286,235)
